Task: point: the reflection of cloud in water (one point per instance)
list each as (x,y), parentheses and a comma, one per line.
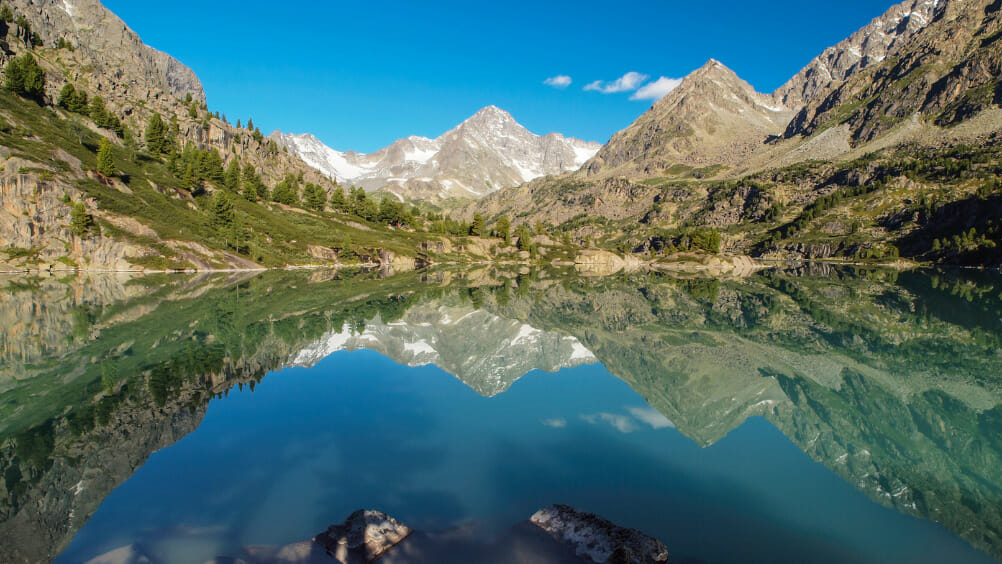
(621,423)
(557,423)
(651,416)
(629,423)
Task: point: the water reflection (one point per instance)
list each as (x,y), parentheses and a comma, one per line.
(892,381)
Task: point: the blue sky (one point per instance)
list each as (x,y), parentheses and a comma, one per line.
(362,74)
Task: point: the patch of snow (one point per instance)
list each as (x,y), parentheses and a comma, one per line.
(70,9)
(335,341)
(583,154)
(420,347)
(525,332)
(527,172)
(420,156)
(579,352)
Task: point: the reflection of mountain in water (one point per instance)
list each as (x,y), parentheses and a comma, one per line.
(892,382)
(122,368)
(486,352)
(896,388)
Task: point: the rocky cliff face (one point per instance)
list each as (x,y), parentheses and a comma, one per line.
(121,67)
(869,46)
(712,118)
(49,160)
(485,153)
(946,73)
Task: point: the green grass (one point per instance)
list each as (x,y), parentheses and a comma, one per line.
(276,236)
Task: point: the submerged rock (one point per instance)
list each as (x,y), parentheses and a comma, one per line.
(363,538)
(597,539)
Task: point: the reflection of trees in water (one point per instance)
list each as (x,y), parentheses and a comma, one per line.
(890,379)
(904,367)
(179,351)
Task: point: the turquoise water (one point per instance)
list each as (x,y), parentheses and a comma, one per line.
(309,446)
(808,414)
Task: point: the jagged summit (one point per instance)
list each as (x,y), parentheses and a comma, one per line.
(123,68)
(486,352)
(486,152)
(871,45)
(945,73)
(712,117)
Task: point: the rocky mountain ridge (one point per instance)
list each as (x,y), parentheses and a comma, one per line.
(121,68)
(487,152)
(945,75)
(453,337)
(871,45)
(712,118)
(887,146)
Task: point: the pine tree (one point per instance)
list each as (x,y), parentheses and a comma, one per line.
(105,160)
(24,77)
(98,113)
(81,222)
(233,176)
(193,110)
(502,229)
(66,96)
(287,191)
(79,104)
(524,238)
(250,125)
(316,197)
(6,14)
(156,139)
(189,178)
(222,210)
(338,200)
(477,227)
(211,167)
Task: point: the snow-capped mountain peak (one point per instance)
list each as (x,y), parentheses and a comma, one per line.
(486,152)
(485,351)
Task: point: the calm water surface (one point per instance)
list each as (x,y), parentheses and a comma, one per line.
(779,418)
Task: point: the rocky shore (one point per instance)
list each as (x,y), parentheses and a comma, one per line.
(555,535)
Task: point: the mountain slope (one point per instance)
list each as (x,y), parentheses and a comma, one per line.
(121,66)
(873,44)
(488,353)
(945,75)
(712,118)
(197,193)
(487,152)
(893,153)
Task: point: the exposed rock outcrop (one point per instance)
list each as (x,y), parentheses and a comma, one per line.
(599,540)
(871,45)
(712,118)
(364,537)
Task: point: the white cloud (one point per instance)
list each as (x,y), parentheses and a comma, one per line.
(651,416)
(558,423)
(621,423)
(657,89)
(629,81)
(560,81)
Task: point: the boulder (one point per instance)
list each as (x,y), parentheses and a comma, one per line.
(363,538)
(598,540)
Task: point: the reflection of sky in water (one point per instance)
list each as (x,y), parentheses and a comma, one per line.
(310,446)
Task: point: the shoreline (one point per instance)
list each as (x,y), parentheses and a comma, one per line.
(746,262)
